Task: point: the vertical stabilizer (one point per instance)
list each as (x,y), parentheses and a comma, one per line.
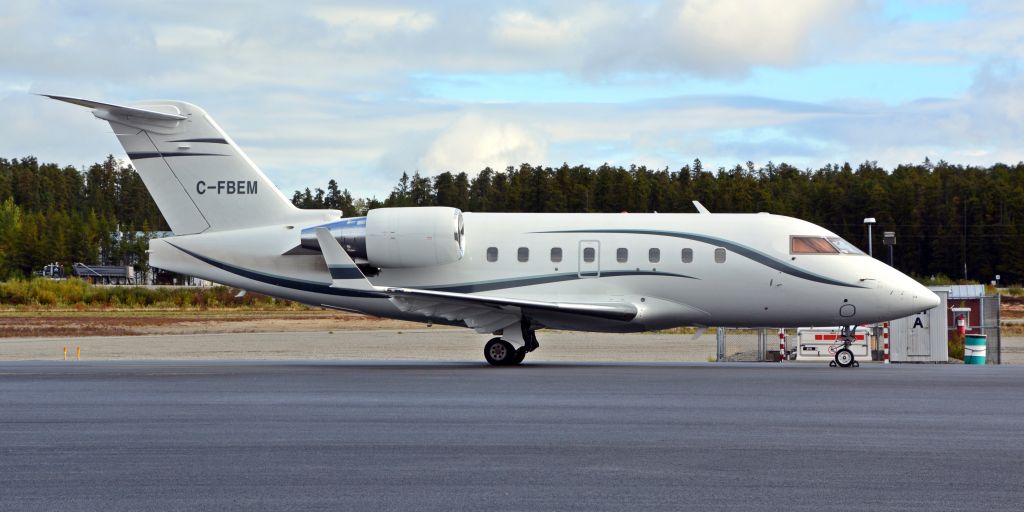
(200,179)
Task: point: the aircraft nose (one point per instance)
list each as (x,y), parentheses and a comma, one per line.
(899,294)
(925,299)
(920,296)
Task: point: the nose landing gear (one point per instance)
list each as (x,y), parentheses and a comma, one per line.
(844,356)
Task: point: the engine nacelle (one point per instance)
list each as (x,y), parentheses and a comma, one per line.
(414,237)
(398,237)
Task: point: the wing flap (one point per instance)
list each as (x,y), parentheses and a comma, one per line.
(623,311)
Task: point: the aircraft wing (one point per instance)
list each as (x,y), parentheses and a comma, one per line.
(481,313)
(488,314)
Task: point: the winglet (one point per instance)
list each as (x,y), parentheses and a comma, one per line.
(118,109)
(700,207)
(344,271)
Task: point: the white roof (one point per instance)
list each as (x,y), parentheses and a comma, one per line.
(966,291)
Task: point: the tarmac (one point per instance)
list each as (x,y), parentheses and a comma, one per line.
(301,435)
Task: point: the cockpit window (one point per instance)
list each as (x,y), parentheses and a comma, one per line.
(821,245)
(843,246)
(811,245)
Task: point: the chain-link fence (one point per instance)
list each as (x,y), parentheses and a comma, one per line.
(747,344)
(990,328)
(764,344)
(988,314)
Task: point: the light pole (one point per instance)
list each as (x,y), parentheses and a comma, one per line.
(889,238)
(869,221)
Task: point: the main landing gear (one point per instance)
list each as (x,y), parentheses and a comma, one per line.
(502,351)
(844,356)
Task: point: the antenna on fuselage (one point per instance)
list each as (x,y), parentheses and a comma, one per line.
(700,207)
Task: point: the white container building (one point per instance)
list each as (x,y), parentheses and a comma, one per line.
(922,337)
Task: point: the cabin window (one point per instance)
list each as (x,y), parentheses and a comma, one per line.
(654,255)
(523,254)
(492,254)
(588,255)
(687,255)
(556,254)
(720,255)
(622,255)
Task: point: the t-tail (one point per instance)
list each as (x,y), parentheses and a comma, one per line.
(200,179)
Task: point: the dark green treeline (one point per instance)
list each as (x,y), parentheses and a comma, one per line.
(50,213)
(939,211)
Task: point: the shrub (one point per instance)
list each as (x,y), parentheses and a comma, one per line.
(935,280)
(46,298)
(956,346)
(80,295)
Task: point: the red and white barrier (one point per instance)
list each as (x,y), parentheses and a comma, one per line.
(782,345)
(885,343)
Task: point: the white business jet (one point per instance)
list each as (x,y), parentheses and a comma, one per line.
(509,274)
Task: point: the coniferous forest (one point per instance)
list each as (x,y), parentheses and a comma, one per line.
(944,215)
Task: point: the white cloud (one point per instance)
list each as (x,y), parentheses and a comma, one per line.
(722,34)
(172,37)
(527,29)
(703,37)
(474,142)
(320,90)
(364,23)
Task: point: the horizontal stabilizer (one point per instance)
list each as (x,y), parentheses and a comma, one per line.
(120,110)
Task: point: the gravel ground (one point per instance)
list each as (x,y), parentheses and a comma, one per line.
(423,344)
(1013,349)
(431,344)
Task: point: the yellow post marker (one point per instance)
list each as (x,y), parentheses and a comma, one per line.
(78,353)
(65,352)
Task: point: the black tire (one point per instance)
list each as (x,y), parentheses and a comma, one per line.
(520,355)
(844,358)
(499,352)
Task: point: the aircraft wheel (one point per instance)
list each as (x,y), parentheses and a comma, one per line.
(844,358)
(499,352)
(520,355)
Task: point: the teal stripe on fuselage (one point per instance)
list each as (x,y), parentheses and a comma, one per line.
(482,286)
(501,284)
(748,252)
(284,282)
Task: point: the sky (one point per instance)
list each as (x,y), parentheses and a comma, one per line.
(363,91)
